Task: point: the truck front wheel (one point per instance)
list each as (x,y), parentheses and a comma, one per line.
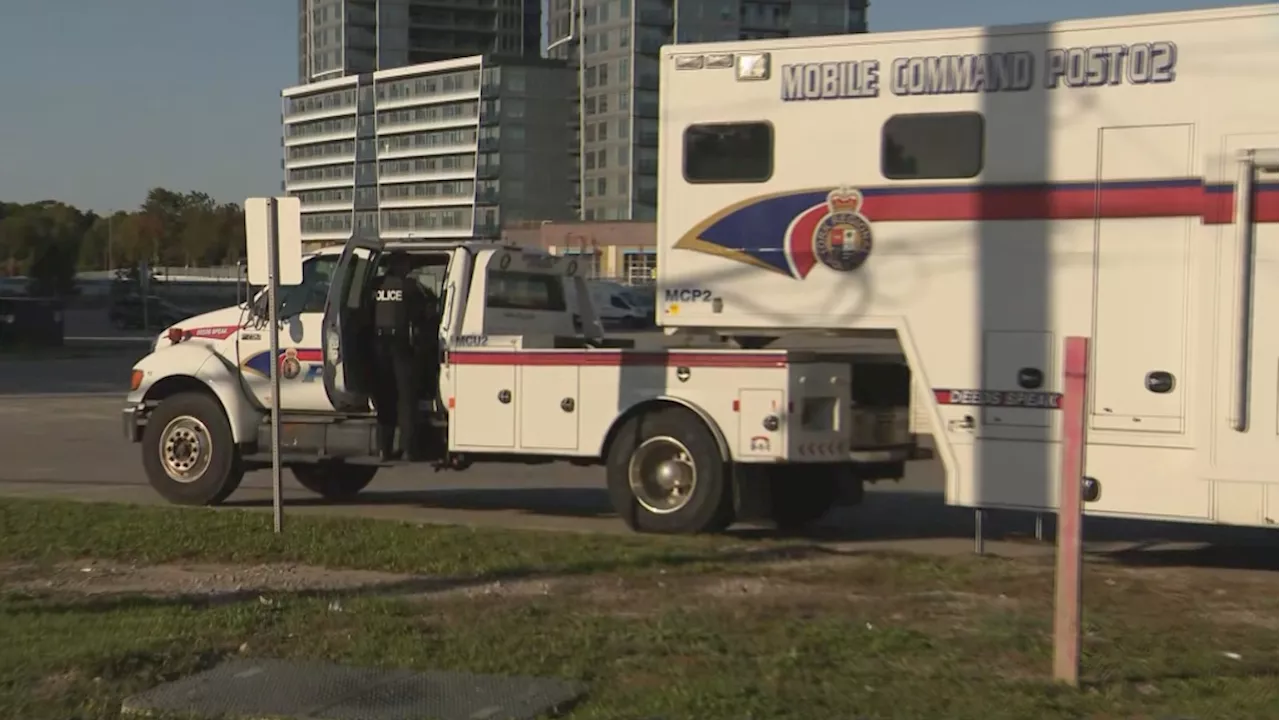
(335,481)
(666,475)
(188,453)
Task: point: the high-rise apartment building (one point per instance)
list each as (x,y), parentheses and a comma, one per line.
(450,149)
(613,44)
(349,37)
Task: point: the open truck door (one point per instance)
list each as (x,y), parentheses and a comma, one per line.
(347,327)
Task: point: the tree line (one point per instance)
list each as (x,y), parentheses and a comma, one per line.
(50,241)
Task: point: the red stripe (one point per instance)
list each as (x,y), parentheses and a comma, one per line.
(1080,202)
(620,358)
(309,355)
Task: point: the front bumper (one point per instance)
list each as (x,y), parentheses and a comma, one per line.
(132,420)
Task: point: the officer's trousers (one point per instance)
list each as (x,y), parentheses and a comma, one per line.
(396,393)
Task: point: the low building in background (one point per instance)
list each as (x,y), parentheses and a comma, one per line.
(443,150)
(625,251)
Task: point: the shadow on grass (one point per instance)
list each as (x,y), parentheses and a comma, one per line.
(885,516)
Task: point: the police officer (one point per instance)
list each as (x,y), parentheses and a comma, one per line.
(398,311)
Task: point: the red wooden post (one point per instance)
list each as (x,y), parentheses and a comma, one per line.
(1067,584)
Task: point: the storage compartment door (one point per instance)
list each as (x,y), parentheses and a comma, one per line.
(549,407)
(484,402)
(1141,277)
(754,439)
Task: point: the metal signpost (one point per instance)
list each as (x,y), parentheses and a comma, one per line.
(273,236)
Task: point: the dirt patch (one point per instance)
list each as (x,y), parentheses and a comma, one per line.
(107,578)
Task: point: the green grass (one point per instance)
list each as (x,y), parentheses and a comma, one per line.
(671,628)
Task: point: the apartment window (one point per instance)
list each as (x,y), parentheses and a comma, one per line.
(602,158)
(624,156)
(326,222)
(624,68)
(589,105)
(325,197)
(602,186)
(622,183)
(589,161)
(728,153)
(591,133)
(426,140)
(435,219)
(436,113)
(624,101)
(506,290)
(346,125)
(450,189)
(602,105)
(416,166)
(589,76)
(321,150)
(328,172)
(624,37)
(604,72)
(932,146)
(624,128)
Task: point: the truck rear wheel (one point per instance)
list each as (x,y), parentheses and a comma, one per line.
(334,481)
(801,496)
(666,475)
(188,453)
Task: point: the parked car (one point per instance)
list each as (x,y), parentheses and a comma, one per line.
(126,313)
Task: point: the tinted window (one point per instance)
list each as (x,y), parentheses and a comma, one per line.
(525,291)
(728,153)
(310,295)
(932,146)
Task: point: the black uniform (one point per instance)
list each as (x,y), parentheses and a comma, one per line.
(398,312)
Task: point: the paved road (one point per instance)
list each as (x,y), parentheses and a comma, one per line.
(61,438)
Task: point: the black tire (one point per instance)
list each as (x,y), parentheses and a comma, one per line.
(217,480)
(801,496)
(338,482)
(709,506)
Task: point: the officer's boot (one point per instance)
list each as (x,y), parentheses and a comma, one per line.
(386,443)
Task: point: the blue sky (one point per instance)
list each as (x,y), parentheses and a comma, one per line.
(101,100)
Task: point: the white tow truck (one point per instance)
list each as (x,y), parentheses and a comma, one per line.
(978,195)
(691,440)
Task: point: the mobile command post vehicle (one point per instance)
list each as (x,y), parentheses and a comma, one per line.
(683,434)
(985,193)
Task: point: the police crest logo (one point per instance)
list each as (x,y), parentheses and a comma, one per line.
(842,240)
(290,368)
